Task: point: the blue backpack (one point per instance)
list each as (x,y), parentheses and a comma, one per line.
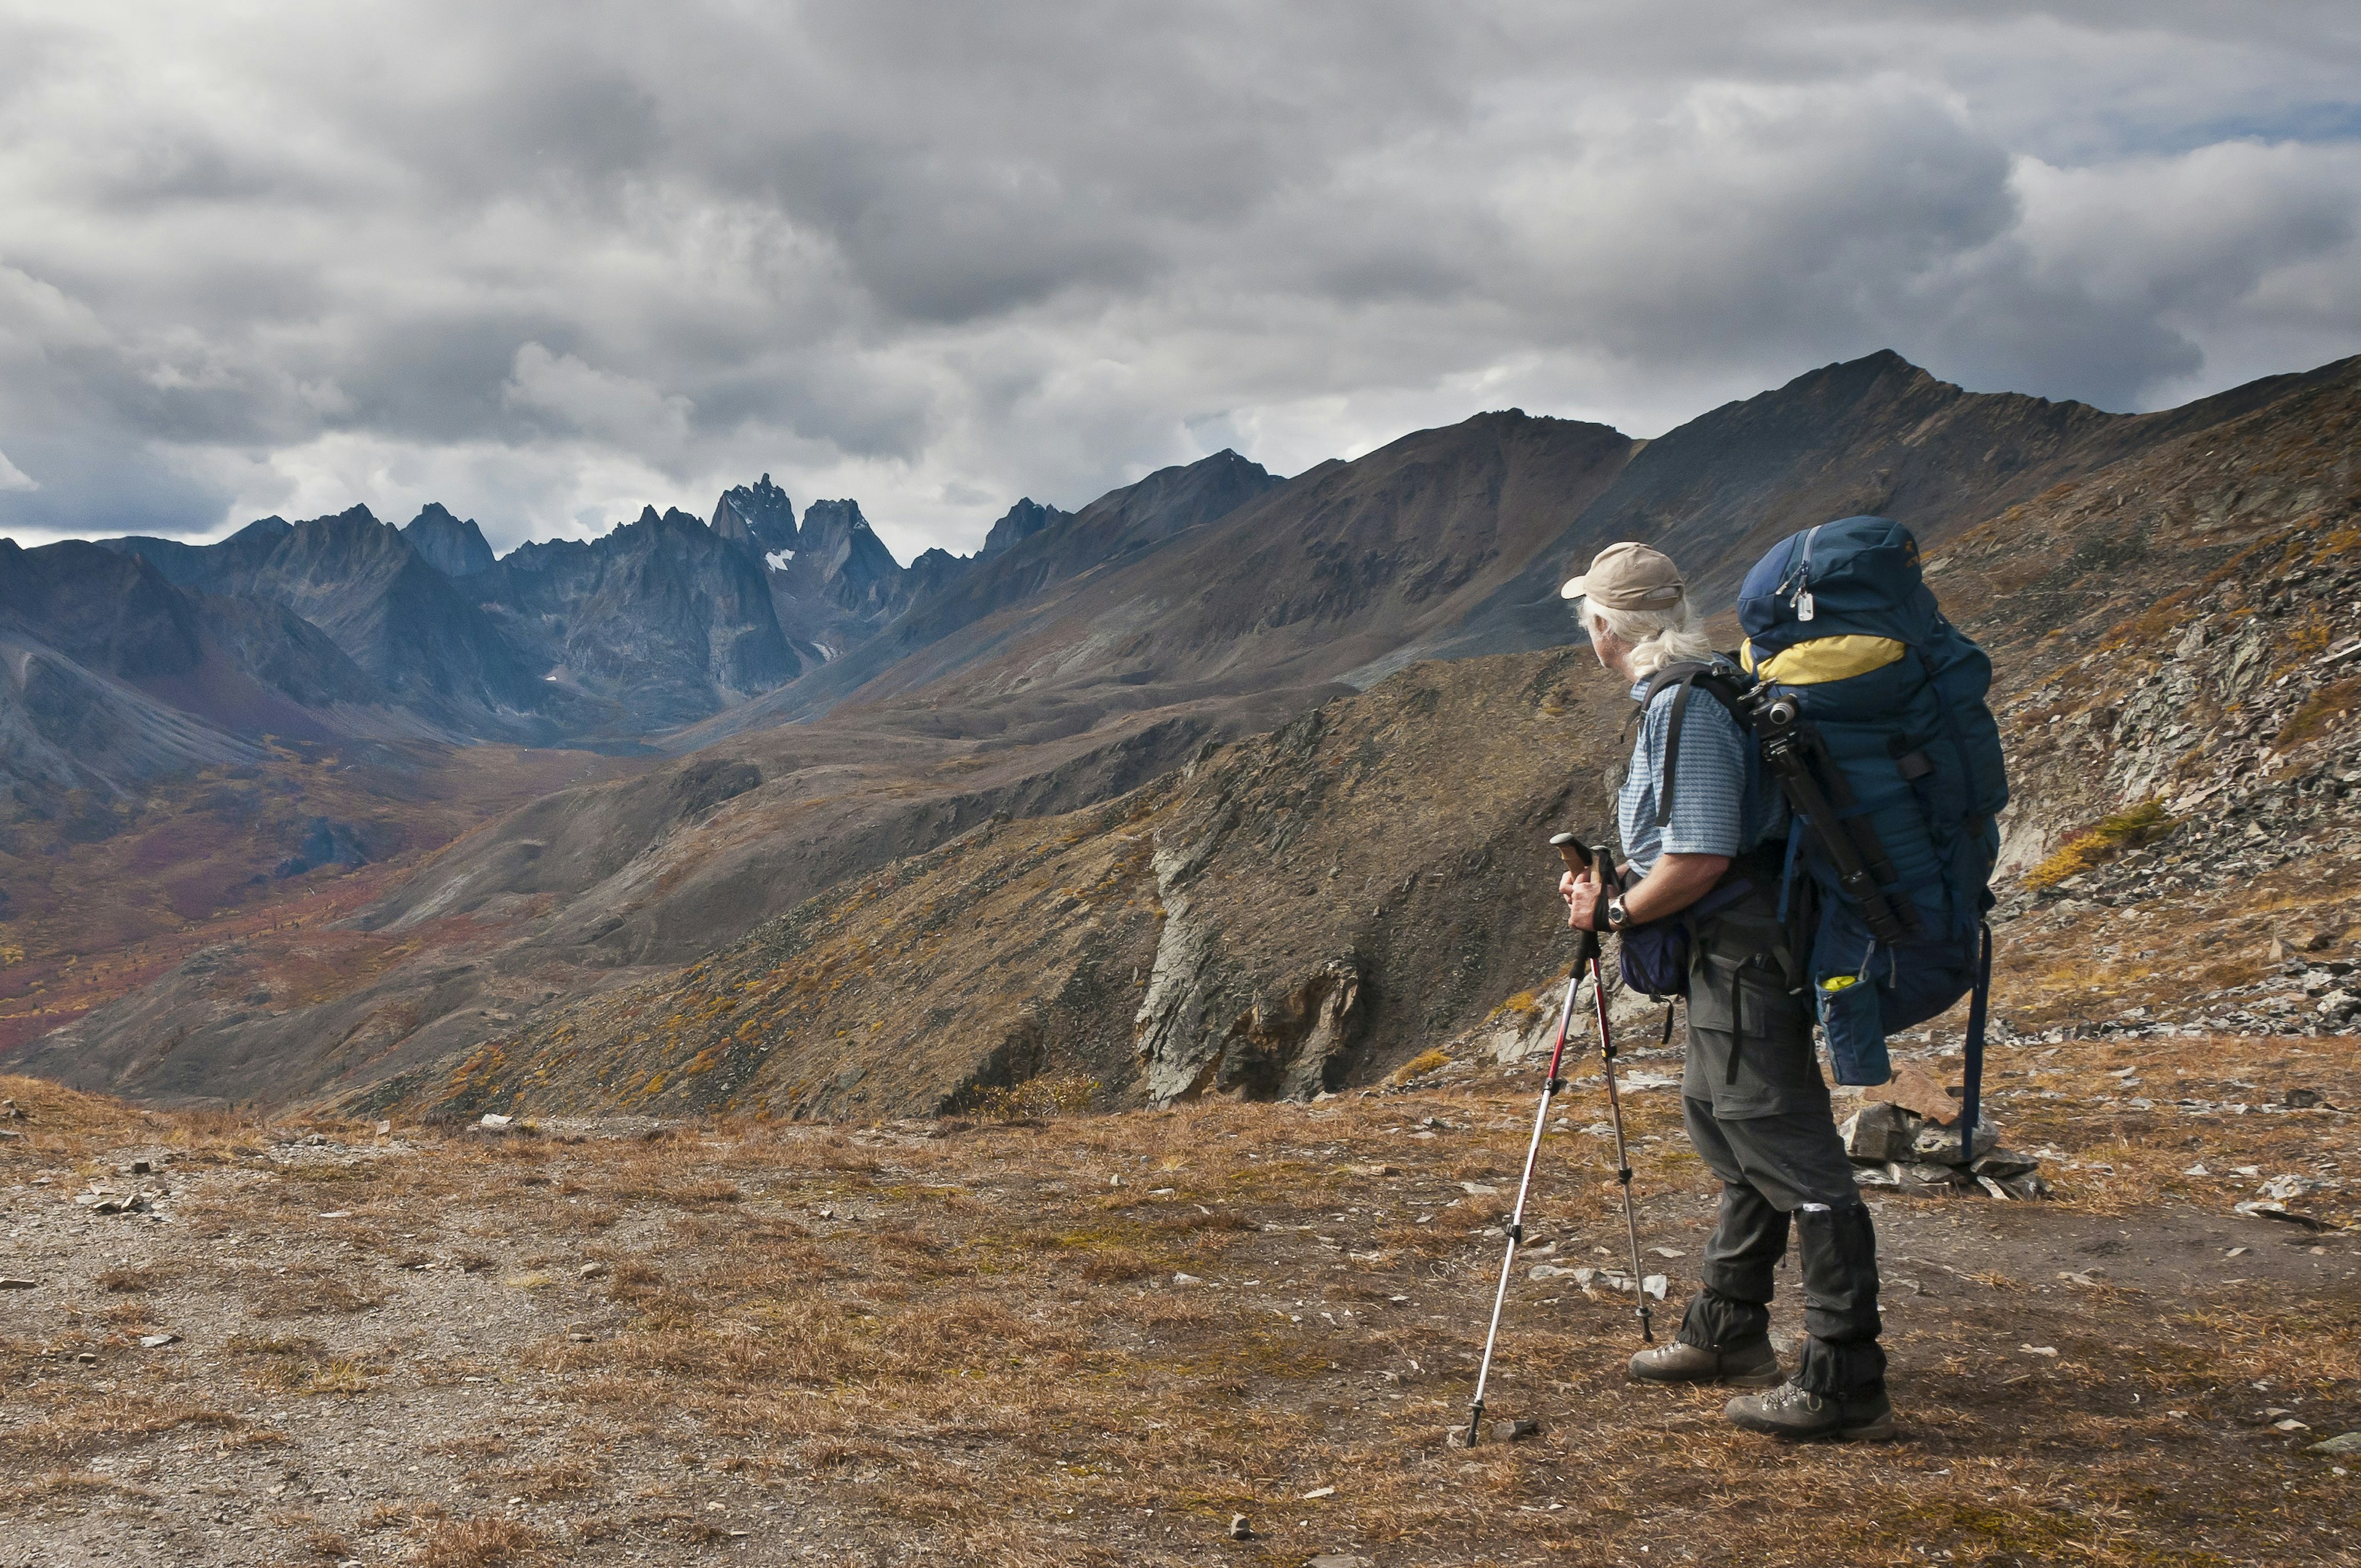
(1870,710)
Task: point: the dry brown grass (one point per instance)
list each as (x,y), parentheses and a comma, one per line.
(478,1543)
(982,1337)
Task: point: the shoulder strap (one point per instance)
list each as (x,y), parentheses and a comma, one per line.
(1682,674)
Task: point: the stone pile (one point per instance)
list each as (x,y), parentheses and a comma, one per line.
(1890,1146)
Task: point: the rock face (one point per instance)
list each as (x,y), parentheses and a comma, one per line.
(401,620)
(932,635)
(759,519)
(110,673)
(662,618)
(1019,523)
(453,548)
(844,562)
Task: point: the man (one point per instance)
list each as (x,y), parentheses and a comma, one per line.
(1755,1105)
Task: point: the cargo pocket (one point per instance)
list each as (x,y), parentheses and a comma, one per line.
(1855,1028)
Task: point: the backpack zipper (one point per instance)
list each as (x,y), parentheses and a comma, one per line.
(1803,576)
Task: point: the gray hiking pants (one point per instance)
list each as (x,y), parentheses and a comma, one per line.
(1758,1112)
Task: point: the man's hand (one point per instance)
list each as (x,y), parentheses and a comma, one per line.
(1585,901)
(1583,910)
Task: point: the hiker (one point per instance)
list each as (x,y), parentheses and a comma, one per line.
(1756,1107)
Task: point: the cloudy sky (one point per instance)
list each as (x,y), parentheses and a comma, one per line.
(547,263)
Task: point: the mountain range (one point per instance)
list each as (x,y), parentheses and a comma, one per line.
(129,658)
(1223,782)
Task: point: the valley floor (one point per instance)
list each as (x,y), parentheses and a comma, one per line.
(1095,1340)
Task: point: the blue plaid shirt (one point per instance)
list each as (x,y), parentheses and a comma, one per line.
(1723,802)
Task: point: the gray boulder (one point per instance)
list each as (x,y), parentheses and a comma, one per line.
(1878,1133)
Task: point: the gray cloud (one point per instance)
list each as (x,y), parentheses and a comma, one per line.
(547,265)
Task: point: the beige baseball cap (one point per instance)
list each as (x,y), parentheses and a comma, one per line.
(1628,576)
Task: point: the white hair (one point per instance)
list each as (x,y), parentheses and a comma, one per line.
(1658,637)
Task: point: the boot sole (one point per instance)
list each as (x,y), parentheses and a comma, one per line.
(1767,1379)
(1878,1430)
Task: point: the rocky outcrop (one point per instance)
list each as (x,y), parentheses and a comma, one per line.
(662,618)
(1019,523)
(760,520)
(453,548)
(845,561)
(407,625)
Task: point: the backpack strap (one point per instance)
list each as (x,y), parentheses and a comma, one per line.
(1971,1090)
(1682,674)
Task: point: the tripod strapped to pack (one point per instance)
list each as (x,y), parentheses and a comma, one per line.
(1868,709)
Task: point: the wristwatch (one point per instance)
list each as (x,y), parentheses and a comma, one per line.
(1616,915)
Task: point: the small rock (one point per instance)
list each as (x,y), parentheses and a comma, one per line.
(19,1285)
(1940,1144)
(1186,1280)
(9,1136)
(2301,1098)
(1515,1431)
(1317,1493)
(2028,1186)
(1915,1089)
(492,1123)
(1549,1271)
(155,1342)
(592,1270)
(2288,1186)
(1880,1132)
(1239,1529)
(1923,1175)
(2004,1162)
(2257,1210)
(88,1358)
(578,1337)
(142,1167)
(1367,1170)
(1338,1560)
(1478,1189)
(383,1128)
(2342,1442)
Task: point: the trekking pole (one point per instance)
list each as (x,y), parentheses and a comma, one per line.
(1571,848)
(1585,953)
(1550,1087)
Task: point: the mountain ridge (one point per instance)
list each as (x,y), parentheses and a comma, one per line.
(1102,654)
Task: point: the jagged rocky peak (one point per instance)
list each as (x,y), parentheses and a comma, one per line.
(844,555)
(760,518)
(1019,523)
(453,547)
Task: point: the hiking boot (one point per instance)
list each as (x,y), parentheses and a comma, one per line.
(1753,1366)
(1801,1416)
